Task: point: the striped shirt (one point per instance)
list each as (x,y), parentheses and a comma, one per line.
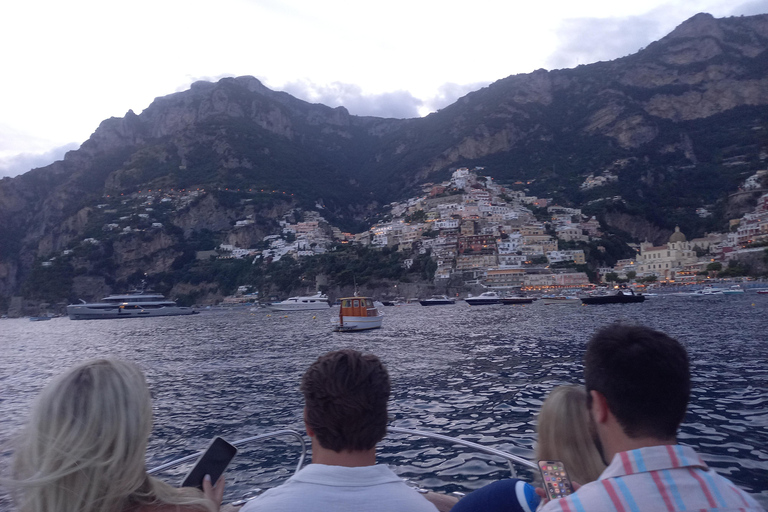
(659,478)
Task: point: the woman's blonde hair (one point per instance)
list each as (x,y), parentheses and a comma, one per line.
(564,434)
(84,447)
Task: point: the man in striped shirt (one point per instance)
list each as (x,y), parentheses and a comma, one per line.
(638,382)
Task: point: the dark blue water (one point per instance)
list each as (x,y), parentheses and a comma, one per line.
(480,373)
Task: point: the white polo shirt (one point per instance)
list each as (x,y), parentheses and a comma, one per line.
(319,487)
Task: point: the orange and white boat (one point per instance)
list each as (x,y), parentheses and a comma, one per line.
(357,314)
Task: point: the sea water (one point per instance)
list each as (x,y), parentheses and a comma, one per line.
(479,373)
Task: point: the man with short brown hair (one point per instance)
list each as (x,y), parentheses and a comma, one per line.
(345,415)
(639,384)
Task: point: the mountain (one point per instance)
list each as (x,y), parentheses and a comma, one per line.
(680,123)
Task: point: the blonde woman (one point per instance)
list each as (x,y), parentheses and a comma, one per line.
(564,434)
(84,448)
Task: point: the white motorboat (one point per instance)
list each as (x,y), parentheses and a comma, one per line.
(131,305)
(317,301)
(708,290)
(357,314)
(736,288)
(483,299)
(437,300)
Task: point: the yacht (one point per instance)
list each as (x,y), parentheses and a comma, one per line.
(623,295)
(317,301)
(437,300)
(484,299)
(707,290)
(131,305)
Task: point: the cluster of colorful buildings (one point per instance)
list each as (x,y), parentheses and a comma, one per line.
(683,260)
(482,233)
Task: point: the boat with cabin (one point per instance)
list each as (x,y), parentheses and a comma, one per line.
(437,300)
(313,302)
(483,299)
(357,314)
(623,295)
(707,290)
(136,304)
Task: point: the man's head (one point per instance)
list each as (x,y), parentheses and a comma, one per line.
(346,394)
(643,375)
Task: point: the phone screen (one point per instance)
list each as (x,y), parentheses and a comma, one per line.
(556,480)
(212,462)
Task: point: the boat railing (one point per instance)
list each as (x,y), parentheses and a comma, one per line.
(241,442)
(510,458)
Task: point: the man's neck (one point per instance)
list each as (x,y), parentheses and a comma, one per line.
(348,458)
(623,443)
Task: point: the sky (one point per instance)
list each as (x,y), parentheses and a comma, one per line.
(68,65)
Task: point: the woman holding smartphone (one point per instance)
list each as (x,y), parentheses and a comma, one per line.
(84,448)
(563,436)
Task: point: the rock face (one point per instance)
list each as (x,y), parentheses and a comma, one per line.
(680,109)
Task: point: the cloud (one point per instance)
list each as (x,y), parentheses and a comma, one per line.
(588,40)
(13,165)
(751,8)
(447,94)
(397,104)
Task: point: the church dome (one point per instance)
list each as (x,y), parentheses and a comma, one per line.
(677,236)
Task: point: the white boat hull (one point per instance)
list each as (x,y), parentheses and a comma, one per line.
(309,303)
(297,307)
(104,311)
(357,323)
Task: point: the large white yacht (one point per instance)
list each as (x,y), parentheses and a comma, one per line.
(317,301)
(130,305)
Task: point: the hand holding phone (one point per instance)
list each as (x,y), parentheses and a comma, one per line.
(212,462)
(557,483)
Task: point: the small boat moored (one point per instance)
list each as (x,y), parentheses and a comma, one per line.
(483,299)
(437,300)
(623,295)
(317,301)
(707,290)
(357,314)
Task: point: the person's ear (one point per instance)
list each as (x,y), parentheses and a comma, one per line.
(599,408)
(310,432)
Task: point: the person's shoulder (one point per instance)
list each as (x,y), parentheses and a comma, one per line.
(733,493)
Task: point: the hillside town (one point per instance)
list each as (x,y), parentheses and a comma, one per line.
(478,233)
(483,233)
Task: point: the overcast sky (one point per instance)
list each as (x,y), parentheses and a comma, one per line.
(68,65)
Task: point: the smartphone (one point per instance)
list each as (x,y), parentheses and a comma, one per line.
(557,483)
(212,462)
